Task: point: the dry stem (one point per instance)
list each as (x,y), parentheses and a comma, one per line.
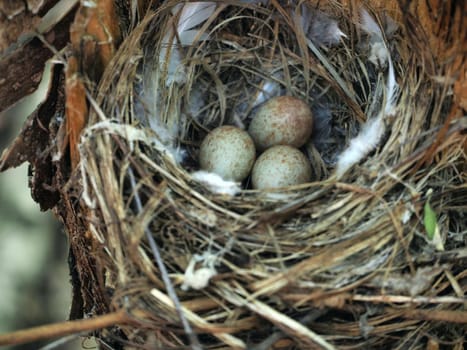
(64,328)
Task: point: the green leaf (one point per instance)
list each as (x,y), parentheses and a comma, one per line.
(429,220)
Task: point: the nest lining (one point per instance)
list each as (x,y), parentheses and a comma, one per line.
(276,255)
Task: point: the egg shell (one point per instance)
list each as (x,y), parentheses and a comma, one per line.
(283,120)
(229,152)
(280,166)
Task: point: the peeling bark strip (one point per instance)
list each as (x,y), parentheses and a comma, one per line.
(94,34)
(35,143)
(76,108)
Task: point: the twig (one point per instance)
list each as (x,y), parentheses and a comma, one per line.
(276,336)
(451,316)
(407,299)
(64,328)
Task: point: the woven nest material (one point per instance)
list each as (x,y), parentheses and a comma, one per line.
(309,266)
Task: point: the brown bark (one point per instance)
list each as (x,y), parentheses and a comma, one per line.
(32,145)
(22,53)
(52,131)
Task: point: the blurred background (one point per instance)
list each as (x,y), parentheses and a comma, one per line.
(34,281)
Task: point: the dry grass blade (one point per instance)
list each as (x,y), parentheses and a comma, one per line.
(288,325)
(200,323)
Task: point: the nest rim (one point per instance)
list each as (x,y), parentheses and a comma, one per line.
(297,253)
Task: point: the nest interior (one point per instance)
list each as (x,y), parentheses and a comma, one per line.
(337,262)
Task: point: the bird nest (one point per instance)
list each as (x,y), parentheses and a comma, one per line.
(363,255)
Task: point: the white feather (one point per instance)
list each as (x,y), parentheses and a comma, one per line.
(369,25)
(216,183)
(167,70)
(196,103)
(191,15)
(379,52)
(269,88)
(373,130)
(147,110)
(367,140)
(318,27)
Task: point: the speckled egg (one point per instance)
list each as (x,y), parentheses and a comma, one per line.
(229,152)
(280,166)
(283,120)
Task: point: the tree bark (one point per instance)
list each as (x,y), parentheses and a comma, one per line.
(27,37)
